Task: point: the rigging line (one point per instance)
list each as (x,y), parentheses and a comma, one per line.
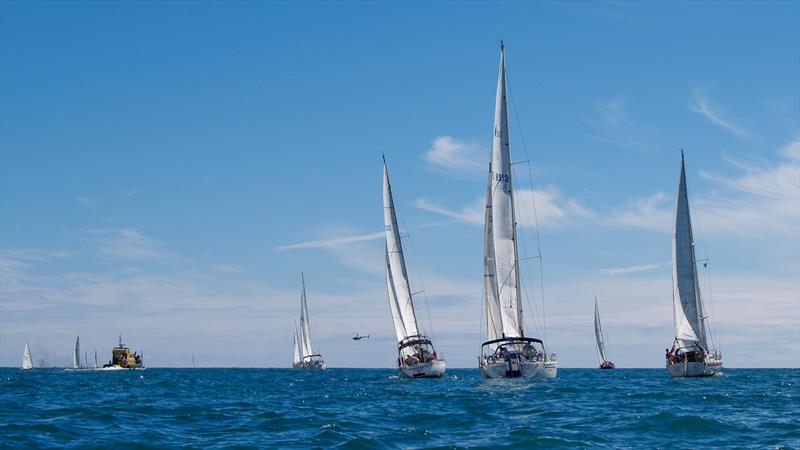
(419,276)
(533,198)
(708,271)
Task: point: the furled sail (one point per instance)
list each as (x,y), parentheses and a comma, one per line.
(689,327)
(397,277)
(503,229)
(76,358)
(598,334)
(494,322)
(27,362)
(305,327)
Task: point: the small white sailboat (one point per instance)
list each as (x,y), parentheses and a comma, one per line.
(76,357)
(308,359)
(507,352)
(27,362)
(690,355)
(95,359)
(416,356)
(601,341)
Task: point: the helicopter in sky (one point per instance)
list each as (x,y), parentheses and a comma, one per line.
(358,338)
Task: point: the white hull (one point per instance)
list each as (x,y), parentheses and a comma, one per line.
(434,369)
(694,369)
(536,370)
(310,367)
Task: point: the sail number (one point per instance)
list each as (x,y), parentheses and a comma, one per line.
(501,177)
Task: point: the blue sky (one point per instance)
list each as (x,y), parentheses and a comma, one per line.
(167,170)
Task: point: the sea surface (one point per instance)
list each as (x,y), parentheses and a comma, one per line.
(373,408)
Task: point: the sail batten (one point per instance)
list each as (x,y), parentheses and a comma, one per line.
(400,298)
(687,302)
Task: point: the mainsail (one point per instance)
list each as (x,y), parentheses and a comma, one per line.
(76,358)
(27,362)
(598,334)
(400,302)
(500,255)
(305,327)
(689,325)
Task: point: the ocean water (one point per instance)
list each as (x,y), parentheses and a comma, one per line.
(373,408)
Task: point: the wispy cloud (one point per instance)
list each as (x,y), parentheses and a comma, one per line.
(333,242)
(128,243)
(701,105)
(548,205)
(611,124)
(614,271)
(453,155)
(653,213)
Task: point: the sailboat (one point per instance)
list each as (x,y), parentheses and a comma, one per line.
(416,356)
(507,352)
(95,359)
(27,362)
(76,357)
(690,355)
(308,359)
(601,342)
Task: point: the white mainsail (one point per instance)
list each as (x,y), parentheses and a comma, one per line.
(689,325)
(296,350)
(397,278)
(305,327)
(95,359)
(27,362)
(494,322)
(503,226)
(598,334)
(76,358)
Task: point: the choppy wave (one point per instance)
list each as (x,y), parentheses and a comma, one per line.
(373,408)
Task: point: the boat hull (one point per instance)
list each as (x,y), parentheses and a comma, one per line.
(687,369)
(535,370)
(314,367)
(433,369)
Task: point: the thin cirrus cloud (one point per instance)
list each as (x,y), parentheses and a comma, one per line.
(333,242)
(456,155)
(549,206)
(614,271)
(760,198)
(701,105)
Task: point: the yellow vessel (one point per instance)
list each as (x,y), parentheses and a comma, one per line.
(124,358)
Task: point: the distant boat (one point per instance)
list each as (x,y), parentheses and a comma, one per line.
(27,362)
(601,343)
(416,356)
(95,358)
(194,366)
(308,359)
(690,355)
(507,352)
(76,357)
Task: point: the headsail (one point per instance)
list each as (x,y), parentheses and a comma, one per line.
(76,357)
(295,354)
(689,326)
(394,307)
(27,362)
(397,277)
(598,334)
(305,327)
(503,230)
(494,322)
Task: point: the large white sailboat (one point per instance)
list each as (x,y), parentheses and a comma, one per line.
(601,340)
(507,352)
(690,355)
(416,356)
(307,360)
(27,362)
